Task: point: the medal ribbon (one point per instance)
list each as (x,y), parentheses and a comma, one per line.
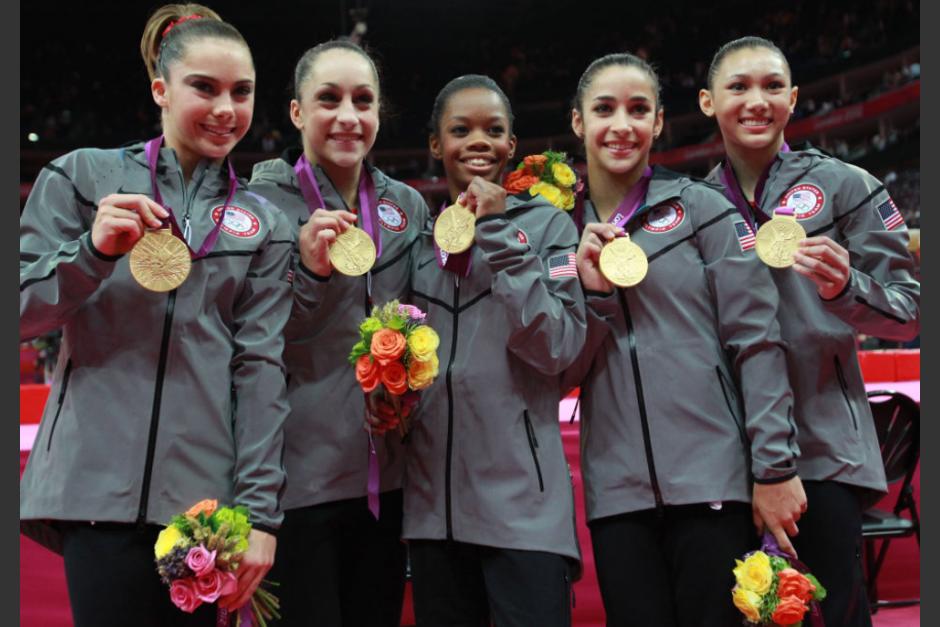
(735,194)
(632,201)
(368,205)
(152,150)
(459,263)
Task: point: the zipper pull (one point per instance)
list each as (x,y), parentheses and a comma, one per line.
(457,280)
(187,229)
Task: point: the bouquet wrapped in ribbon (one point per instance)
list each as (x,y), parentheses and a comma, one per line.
(775,589)
(547,174)
(197,555)
(395,358)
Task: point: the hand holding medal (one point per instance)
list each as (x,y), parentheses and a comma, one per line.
(596,235)
(455,227)
(319,234)
(121,221)
(825,263)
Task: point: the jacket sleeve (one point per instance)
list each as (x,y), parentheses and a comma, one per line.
(600,309)
(258,378)
(746,302)
(546,313)
(59,267)
(882,297)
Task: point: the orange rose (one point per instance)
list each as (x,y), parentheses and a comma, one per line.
(395,378)
(388,345)
(367,373)
(793,583)
(535,162)
(790,610)
(519,181)
(205,506)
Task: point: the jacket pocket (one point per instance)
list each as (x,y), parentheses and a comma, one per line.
(533,445)
(845,390)
(730,405)
(58,409)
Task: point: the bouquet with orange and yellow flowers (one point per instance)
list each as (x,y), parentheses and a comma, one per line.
(774,589)
(547,175)
(395,358)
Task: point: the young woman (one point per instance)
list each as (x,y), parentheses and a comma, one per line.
(851,274)
(160,399)
(336,563)
(683,409)
(489,512)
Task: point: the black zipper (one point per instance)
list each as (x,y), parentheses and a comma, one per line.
(155,413)
(450,413)
(638,384)
(737,423)
(845,390)
(533,444)
(65,385)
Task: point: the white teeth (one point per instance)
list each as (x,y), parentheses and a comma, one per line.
(478,163)
(762,122)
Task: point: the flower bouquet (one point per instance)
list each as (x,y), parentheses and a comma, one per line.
(546,174)
(197,555)
(395,358)
(775,589)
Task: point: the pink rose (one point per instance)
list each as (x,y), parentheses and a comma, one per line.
(200,560)
(183,595)
(209,586)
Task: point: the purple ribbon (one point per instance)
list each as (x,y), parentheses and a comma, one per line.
(458,263)
(152,149)
(223,618)
(632,201)
(770,547)
(373,485)
(368,205)
(735,194)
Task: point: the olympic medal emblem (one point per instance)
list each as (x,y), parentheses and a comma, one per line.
(623,263)
(353,252)
(778,239)
(160,261)
(455,229)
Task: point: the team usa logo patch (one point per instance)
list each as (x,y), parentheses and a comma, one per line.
(237,221)
(889,214)
(522,237)
(391,216)
(664,218)
(805,199)
(746,237)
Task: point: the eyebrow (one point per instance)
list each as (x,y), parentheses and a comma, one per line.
(743,75)
(464,118)
(206,77)
(637,97)
(337,86)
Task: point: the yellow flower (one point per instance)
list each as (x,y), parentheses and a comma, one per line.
(548,191)
(422,373)
(423,343)
(167,539)
(754,573)
(567,199)
(563,175)
(748,602)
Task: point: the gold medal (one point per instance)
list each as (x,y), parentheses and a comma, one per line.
(455,229)
(623,263)
(778,239)
(160,261)
(353,252)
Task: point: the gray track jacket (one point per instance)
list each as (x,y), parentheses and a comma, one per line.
(684,397)
(836,432)
(159,400)
(326,450)
(484,462)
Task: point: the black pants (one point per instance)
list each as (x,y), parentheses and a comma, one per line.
(339,567)
(464,585)
(672,568)
(830,544)
(113,582)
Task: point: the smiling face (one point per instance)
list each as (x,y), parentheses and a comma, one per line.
(473,138)
(338,110)
(207,100)
(618,120)
(752,99)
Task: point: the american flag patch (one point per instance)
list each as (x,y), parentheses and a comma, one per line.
(890,216)
(562,265)
(745,235)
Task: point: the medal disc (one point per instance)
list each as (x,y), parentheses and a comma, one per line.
(777,240)
(160,261)
(353,252)
(623,263)
(455,229)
